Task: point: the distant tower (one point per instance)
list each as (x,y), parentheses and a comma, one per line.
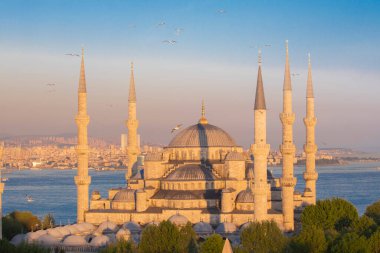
(288,149)
(1,189)
(123,142)
(132,125)
(260,151)
(82,180)
(310,148)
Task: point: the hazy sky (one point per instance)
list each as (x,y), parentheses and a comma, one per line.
(215,59)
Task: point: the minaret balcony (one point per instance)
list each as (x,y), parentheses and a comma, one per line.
(260,149)
(81,149)
(82,180)
(132,123)
(308,176)
(288,149)
(310,148)
(288,181)
(287,118)
(310,121)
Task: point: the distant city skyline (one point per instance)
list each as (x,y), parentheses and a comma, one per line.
(215,59)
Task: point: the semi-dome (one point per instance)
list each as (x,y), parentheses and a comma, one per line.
(106,227)
(178,220)
(202,135)
(203,228)
(245,196)
(125,195)
(225,227)
(132,226)
(235,156)
(74,240)
(191,172)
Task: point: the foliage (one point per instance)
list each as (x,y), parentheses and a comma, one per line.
(262,237)
(374,242)
(365,226)
(121,246)
(311,240)
(7,247)
(27,219)
(166,237)
(213,244)
(352,243)
(11,227)
(332,213)
(373,211)
(48,221)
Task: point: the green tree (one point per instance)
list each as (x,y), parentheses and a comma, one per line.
(27,219)
(374,242)
(11,227)
(311,240)
(213,244)
(373,211)
(121,246)
(351,243)
(263,237)
(332,213)
(6,246)
(188,239)
(48,221)
(365,226)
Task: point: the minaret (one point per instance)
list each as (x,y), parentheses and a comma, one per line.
(82,180)
(288,149)
(310,148)
(1,189)
(132,124)
(260,150)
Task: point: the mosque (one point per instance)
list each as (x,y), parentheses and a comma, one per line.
(203,176)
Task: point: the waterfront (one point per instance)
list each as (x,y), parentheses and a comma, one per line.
(54,191)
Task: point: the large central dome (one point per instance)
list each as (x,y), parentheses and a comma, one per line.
(202,135)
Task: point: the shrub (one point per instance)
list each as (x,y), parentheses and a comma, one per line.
(213,244)
(311,240)
(352,243)
(373,211)
(120,246)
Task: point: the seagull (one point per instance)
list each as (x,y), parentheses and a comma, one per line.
(295,74)
(221,11)
(178,31)
(176,128)
(172,42)
(109,105)
(267,45)
(132,26)
(161,24)
(71,54)
(50,84)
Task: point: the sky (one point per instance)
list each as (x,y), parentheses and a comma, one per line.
(215,59)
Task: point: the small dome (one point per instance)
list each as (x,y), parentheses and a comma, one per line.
(153,223)
(64,231)
(47,239)
(95,195)
(89,226)
(106,227)
(245,225)
(74,240)
(235,156)
(132,226)
(18,239)
(125,195)
(123,234)
(202,135)
(245,196)
(178,220)
(33,236)
(55,233)
(203,228)
(100,240)
(153,156)
(191,172)
(72,228)
(225,228)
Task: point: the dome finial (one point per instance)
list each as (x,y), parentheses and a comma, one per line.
(203,119)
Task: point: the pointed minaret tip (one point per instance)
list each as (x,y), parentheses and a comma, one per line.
(132,89)
(227,247)
(287,79)
(309,89)
(82,79)
(203,119)
(260,97)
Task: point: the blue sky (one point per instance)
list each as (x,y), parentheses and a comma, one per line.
(215,58)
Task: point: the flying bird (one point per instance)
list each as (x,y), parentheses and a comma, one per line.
(161,24)
(172,42)
(176,128)
(178,31)
(71,54)
(221,11)
(295,74)
(50,84)
(267,45)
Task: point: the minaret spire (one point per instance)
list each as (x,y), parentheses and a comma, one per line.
(2,185)
(260,151)
(310,175)
(260,98)
(82,180)
(132,124)
(287,80)
(203,119)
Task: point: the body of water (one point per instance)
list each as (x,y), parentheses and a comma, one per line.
(54,191)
